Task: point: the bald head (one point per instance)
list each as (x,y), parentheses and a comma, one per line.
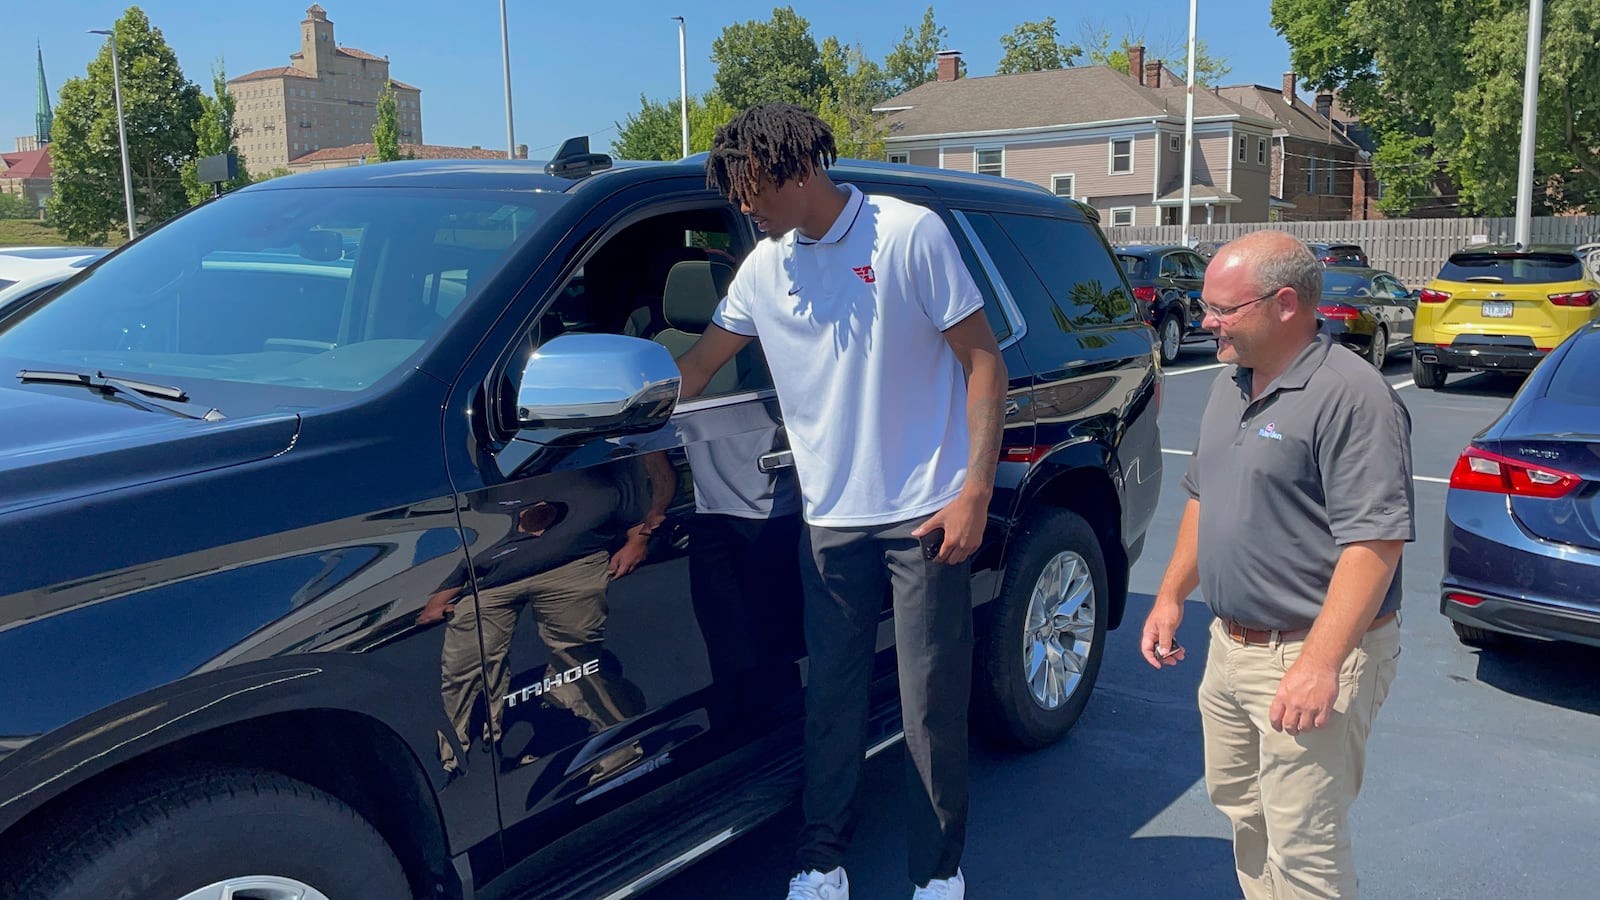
(1274,259)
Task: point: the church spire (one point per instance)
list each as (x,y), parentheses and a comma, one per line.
(42,117)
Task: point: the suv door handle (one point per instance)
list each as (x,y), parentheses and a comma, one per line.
(772,462)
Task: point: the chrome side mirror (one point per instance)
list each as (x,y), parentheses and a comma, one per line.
(595,385)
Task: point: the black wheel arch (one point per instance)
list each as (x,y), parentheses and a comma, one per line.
(1076,477)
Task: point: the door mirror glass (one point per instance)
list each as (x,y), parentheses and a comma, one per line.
(580,386)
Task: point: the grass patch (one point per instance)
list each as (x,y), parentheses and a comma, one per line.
(31,233)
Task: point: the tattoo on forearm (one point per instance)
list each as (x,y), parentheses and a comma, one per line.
(986,424)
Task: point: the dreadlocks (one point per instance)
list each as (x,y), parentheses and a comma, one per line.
(778,140)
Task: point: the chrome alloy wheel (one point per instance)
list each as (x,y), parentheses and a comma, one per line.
(1059,630)
(1171,338)
(256,887)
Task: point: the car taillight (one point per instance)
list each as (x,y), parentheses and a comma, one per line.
(1580,298)
(1338,311)
(1480,470)
(1431,296)
(1147,294)
(1465,599)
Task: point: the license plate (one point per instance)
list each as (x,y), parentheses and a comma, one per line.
(1497,309)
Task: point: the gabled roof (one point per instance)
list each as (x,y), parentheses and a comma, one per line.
(402,86)
(276,72)
(1294,118)
(1061,98)
(353,53)
(417,151)
(28,164)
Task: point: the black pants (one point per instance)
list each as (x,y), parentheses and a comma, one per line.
(845,573)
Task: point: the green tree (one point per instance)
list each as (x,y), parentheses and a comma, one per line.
(1101,48)
(914,61)
(386,130)
(656,130)
(274,172)
(16,206)
(1441,90)
(214,134)
(766,62)
(856,84)
(160,108)
(1035,47)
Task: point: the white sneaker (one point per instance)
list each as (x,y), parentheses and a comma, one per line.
(953,888)
(814,885)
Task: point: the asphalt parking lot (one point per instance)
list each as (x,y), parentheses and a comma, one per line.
(1482,775)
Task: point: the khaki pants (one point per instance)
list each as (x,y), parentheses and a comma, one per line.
(1289,797)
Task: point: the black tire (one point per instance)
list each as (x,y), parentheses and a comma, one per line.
(1004,706)
(1378,352)
(1477,637)
(1167,345)
(1426,375)
(165,838)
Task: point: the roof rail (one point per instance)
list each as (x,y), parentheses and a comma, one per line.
(574,160)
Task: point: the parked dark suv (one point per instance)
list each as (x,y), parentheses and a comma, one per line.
(1166,281)
(307,495)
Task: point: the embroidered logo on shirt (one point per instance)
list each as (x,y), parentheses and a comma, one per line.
(866,273)
(1271,431)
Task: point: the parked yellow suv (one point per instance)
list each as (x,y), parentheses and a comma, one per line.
(1494,308)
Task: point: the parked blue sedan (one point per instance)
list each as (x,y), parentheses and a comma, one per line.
(1522,539)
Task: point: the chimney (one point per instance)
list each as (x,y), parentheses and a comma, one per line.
(1152,74)
(1136,63)
(949,65)
(1288,88)
(1325,104)
(522,151)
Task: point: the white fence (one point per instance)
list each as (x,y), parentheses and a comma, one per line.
(1413,249)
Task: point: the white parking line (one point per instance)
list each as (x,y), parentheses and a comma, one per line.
(1401,385)
(1189,369)
(1428,478)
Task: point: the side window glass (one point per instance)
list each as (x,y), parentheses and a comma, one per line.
(991,305)
(1020,280)
(1172,266)
(1195,266)
(1070,259)
(660,279)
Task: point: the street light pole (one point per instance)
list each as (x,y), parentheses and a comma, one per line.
(1530,122)
(122,129)
(505,56)
(1188,126)
(683,83)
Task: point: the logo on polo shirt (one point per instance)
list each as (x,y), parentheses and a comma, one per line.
(865,272)
(1271,431)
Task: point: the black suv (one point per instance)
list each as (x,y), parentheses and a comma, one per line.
(303,496)
(1167,280)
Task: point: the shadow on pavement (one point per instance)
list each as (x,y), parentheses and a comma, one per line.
(1557,674)
(1074,820)
(1483,384)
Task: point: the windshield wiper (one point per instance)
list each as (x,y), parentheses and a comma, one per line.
(148,397)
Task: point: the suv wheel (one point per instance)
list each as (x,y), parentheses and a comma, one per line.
(1426,375)
(1169,335)
(1038,663)
(213,834)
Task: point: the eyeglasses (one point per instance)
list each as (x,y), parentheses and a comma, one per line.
(1228,312)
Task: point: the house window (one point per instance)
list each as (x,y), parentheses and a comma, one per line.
(1261,150)
(1311,174)
(1121,156)
(1121,217)
(1244,149)
(1174,143)
(902,158)
(991,161)
(1061,185)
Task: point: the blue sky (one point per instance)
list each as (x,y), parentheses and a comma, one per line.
(577,68)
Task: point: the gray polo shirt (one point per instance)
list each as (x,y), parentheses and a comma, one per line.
(1320,460)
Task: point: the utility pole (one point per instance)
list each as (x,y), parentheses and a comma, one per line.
(1188,126)
(683,82)
(1530,123)
(122,130)
(505,56)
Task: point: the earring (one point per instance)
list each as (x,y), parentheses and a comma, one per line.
(802,184)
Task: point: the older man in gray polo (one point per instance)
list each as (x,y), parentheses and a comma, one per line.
(1300,501)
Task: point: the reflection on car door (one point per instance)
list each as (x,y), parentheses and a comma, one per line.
(1399,308)
(636,598)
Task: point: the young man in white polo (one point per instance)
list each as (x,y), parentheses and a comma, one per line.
(893,396)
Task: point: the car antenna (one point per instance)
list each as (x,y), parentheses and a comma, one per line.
(574,160)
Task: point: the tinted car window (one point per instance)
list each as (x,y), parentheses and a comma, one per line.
(1135,266)
(326,288)
(1172,266)
(1345,284)
(1071,261)
(1526,268)
(1577,379)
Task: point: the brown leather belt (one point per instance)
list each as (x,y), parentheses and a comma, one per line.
(1264,636)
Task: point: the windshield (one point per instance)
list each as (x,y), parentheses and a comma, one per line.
(324,288)
(1344,284)
(1528,268)
(1133,266)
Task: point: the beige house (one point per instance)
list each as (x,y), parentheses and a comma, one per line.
(326,97)
(1094,134)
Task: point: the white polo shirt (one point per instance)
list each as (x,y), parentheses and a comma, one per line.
(874,400)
